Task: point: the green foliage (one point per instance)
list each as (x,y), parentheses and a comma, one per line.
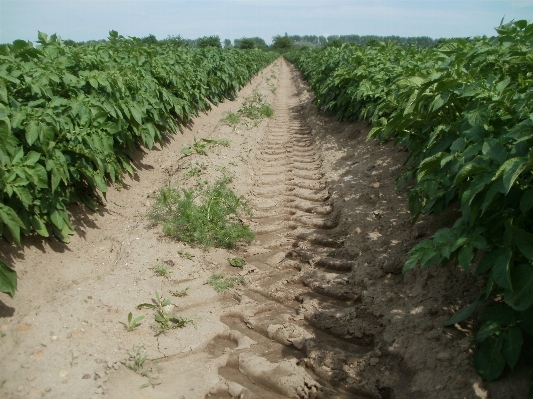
(163,317)
(254,107)
(136,359)
(132,323)
(71,117)
(209,41)
(201,146)
(221,283)
(246,44)
(162,270)
(281,43)
(8,279)
(185,255)
(231,119)
(464,111)
(237,262)
(179,293)
(207,216)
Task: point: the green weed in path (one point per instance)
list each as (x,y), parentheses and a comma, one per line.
(206,216)
(221,283)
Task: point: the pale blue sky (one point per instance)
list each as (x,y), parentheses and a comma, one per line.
(83,20)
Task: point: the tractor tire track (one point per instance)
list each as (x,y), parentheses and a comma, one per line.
(295,306)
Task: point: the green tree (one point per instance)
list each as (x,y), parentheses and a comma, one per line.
(227,43)
(246,44)
(209,41)
(281,43)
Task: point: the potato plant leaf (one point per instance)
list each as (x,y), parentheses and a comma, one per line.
(8,279)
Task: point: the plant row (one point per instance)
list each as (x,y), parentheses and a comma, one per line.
(464,111)
(72,117)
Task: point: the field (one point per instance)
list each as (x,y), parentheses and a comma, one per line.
(283,275)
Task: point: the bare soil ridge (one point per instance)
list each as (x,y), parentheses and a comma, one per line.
(324,311)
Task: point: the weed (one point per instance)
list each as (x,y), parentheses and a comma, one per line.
(231,119)
(195,170)
(162,270)
(132,323)
(223,142)
(273,89)
(207,216)
(237,262)
(2,334)
(185,255)
(221,283)
(73,359)
(179,293)
(201,146)
(254,107)
(136,360)
(165,319)
(2,383)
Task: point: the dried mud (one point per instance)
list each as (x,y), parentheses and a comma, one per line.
(324,311)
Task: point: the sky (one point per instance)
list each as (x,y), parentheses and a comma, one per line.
(83,20)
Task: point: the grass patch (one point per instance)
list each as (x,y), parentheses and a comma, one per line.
(254,107)
(207,216)
(220,282)
(231,119)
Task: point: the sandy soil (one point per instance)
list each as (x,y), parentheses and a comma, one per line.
(324,311)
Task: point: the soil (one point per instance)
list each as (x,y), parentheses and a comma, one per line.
(323,312)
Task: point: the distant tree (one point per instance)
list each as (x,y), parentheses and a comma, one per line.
(322,40)
(334,43)
(281,43)
(227,43)
(149,39)
(208,41)
(177,41)
(246,44)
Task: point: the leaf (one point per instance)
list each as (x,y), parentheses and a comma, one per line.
(12,221)
(8,279)
(489,361)
(465,256)
(57,219)
(510,170)
(488,329)
(32,131)
(521,295)
(5,131)
(512,345)
(462,314)
(39,226)
(186,151)
(501,255)
(526,203)
(501,269)
(524,242)
(494,150)
(3,92)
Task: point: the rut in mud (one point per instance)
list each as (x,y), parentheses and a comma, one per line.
(309,339)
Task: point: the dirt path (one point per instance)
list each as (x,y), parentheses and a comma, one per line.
(323,312)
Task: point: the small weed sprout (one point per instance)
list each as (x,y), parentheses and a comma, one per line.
(195,170)
(231,119)
(221,283)
(179,293)
(237,262)
(163,316)
(136,359)
(162,270)
(73,359)
(185,255)
(132,323)
(201,146)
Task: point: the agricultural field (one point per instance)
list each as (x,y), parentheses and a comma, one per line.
(192,224)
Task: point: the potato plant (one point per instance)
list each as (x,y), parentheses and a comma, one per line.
(464,111)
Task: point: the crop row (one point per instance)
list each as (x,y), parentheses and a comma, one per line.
(71,118)
(464,111)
